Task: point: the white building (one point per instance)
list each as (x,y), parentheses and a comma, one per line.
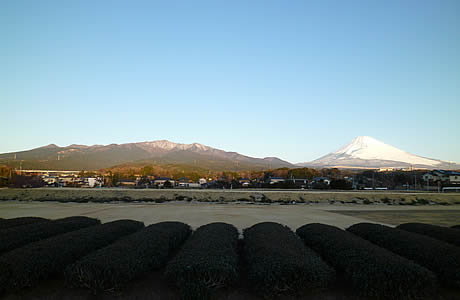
(274,180)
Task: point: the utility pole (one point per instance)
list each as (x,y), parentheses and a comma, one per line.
(415,182)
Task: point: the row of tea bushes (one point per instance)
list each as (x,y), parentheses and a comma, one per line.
(446,234)
(19,236)
(113,266)
(371,270)
(208,261)
(438,256)
(24,267)
(278,262)
(9,223)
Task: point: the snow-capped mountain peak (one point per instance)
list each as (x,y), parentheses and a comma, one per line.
(365,151)
(365,147)
(365,142)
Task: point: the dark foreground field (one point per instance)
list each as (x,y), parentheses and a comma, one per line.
(155,287)
(81,258)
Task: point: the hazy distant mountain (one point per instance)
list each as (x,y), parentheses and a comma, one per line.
(81,157)
(367,152)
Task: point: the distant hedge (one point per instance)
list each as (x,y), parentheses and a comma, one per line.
(19,236)
(207,261)
(279,263)
(438,256)
(9,223)
(24,267)
(446,234)
(373,271)
(111,267)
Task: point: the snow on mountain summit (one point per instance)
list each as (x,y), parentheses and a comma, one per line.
(168,146)
(367,152)
(365,147)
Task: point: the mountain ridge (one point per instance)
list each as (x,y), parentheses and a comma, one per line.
(82,157)
(362,152)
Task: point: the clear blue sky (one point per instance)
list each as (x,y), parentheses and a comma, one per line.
(293,79)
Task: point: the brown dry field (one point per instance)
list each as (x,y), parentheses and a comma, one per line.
(205,195)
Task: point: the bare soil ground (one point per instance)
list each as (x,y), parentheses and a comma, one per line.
(241,215)
(194,214)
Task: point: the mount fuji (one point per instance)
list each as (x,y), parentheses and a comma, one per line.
(367,152)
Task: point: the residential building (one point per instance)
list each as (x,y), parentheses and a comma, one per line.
(442,177)
(245,182)
(50,180)
(324,180)
(299,182)
(273,180)
(160,181)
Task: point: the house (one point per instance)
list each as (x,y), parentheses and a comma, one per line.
(66,180)
(184,182)
(299,182)
(50,180)
(92,182)
(454,177)
(191,185)
(273,180)
(245,182)
(442,176)
(321,180)
(160,181)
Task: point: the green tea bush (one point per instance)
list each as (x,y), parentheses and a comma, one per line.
(279,263)
(208,261)
(9,223)
(446,234)
(111,267)
(19,236)
(372,271)
(24,267)
(438,256)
